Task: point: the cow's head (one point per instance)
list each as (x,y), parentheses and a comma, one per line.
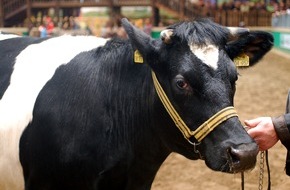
(194,64)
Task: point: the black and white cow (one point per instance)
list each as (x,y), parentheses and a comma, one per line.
(92,118)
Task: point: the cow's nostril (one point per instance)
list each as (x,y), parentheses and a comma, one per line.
(242,157)
(234,155)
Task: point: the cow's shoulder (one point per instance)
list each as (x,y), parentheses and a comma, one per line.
(31,68)
(11,46)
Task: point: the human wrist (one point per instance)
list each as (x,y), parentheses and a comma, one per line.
(282,130)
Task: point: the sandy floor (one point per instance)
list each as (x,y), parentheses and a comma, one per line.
(261,91)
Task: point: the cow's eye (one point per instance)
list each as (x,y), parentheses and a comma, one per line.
(181,83)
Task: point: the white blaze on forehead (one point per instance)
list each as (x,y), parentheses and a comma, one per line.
(34,66)
(236,30)
(208,54)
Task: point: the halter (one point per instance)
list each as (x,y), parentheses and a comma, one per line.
(203,130)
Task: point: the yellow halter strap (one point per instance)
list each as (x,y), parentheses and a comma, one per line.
(203,130)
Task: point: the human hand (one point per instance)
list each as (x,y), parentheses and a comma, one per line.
(262,130)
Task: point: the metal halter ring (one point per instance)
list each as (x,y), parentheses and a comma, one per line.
(195,144)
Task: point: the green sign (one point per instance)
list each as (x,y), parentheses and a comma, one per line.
(282,40)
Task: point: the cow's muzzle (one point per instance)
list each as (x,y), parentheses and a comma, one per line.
(242,157)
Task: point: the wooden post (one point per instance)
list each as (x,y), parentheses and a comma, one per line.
(28,10)
(155,14)
(1,14)
(57,9)
(181,9)
(286,3)
(115,11)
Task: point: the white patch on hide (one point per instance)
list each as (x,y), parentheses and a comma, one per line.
(208,54)
(34,66)
(7,36)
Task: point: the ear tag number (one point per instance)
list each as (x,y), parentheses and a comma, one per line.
(242,60)
(138,57)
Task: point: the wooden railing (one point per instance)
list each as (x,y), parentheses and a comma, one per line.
(180,8)
(12,7)
(131,2)
(96,3)
(237,18)
(186,10)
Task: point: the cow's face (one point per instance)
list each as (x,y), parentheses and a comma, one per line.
(193,62)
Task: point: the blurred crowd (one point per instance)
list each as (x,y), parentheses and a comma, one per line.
(242,5)
(115,29)
(45,25)
(49,25)
(281,18)
(280,11)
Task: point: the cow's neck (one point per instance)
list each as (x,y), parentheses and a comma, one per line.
(146,157)
(136,133)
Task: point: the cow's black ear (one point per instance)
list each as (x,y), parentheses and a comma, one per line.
(254,44)
(145,44)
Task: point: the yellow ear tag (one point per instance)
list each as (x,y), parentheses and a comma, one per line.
(138,57)
(242,60)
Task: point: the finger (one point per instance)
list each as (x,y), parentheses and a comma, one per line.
(253,122)
(252,133)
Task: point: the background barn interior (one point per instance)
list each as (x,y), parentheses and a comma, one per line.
(261,91)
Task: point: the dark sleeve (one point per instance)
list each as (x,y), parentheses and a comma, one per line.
(287,120)
(286,143)
(282,128)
